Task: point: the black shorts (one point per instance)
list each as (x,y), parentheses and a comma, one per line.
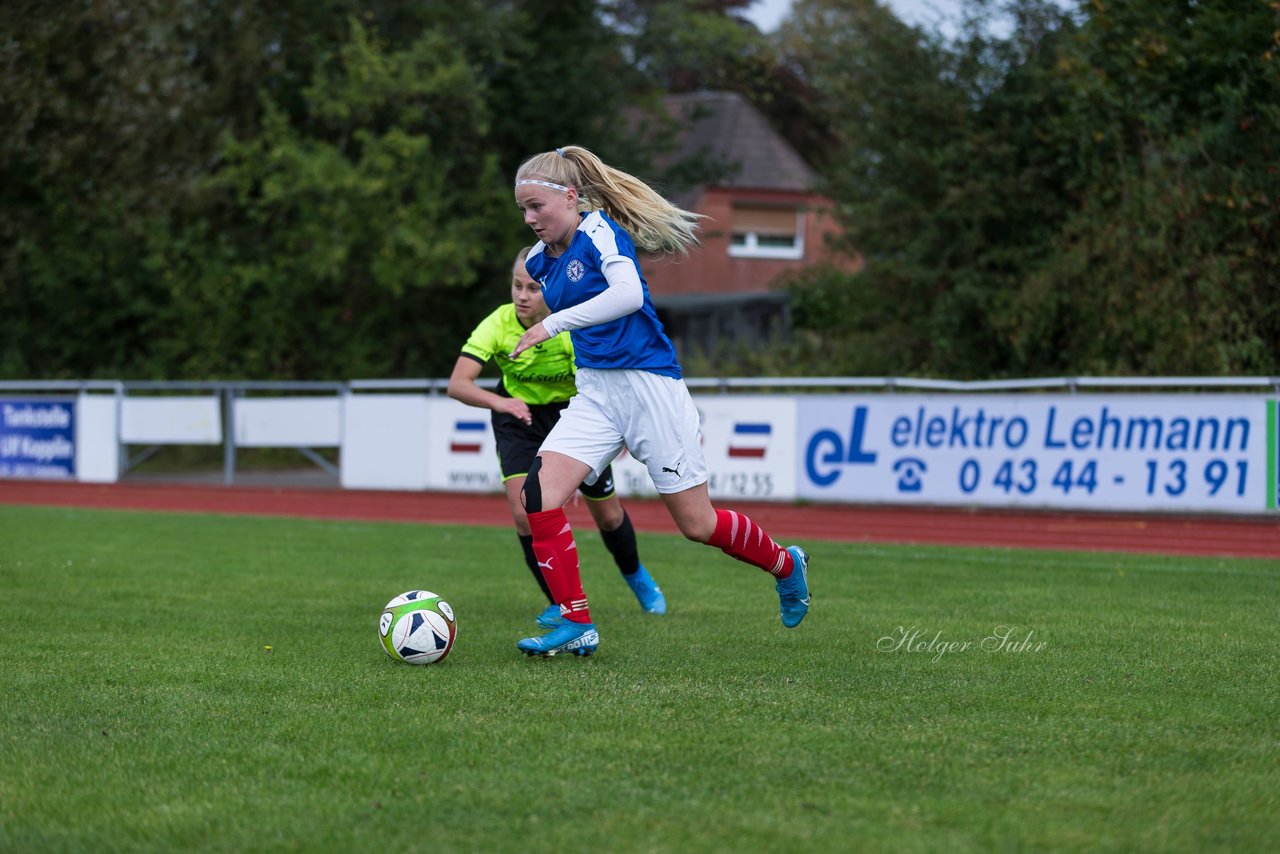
(518,445)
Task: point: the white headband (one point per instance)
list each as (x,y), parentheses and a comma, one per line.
(559,187)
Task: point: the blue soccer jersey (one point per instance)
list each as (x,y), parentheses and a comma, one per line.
(635,340)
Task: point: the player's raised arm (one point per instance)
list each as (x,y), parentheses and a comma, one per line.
(463,387)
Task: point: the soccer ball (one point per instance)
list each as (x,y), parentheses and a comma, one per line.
(417,627)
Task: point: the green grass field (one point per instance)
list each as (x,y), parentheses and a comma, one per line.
(140,709)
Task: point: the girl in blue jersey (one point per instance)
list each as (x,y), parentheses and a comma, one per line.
(589,219)
(534,390)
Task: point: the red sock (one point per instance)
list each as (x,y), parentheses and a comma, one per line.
(737,536)
(557,555)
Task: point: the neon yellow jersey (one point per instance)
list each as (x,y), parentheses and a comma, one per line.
(542,374)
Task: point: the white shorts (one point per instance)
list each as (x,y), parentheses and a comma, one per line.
(653,416)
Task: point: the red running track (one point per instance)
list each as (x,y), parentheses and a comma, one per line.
(1257,537)
(1207,535)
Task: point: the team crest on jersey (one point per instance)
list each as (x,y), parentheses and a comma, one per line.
(576,270)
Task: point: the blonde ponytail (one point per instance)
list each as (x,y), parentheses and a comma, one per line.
(653,222)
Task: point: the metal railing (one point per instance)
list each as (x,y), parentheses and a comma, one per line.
(438,386)
(727,384)
(230,390)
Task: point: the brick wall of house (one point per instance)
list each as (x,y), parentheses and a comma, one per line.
(710,269)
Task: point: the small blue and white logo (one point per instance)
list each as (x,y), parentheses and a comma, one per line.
(576,270)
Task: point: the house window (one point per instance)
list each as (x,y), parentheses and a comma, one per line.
(767,233)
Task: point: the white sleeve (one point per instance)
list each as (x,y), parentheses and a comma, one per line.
(623,296)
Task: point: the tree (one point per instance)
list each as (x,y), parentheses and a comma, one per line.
(1091,193)
(110,116)
(344,245)
(1166,262)
(678,47)
(291,190)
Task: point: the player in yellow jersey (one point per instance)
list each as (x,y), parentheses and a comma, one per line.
(535,388)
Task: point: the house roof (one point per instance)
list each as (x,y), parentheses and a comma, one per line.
(725,126)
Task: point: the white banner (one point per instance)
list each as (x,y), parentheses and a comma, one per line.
(1166,452)
(172,420)
(1103,452)
(97,438)
(749,441)
(288,422)
(462,454)
(384,441)
(750,446)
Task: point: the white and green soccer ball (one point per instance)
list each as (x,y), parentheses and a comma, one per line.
(417,627)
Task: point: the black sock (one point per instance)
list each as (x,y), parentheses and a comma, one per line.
(621,543)
(531,560)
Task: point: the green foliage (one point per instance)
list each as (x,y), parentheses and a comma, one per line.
(683,46)
(319,189)
(95,129)
(1088,194)
(379,210)
(679,46)
(295,190)
(1170,258)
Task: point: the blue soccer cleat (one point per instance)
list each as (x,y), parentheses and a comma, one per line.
(793,591)
(550,618)
(571,637)
(647,592)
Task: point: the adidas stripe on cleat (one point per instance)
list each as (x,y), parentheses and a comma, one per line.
(568,637)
